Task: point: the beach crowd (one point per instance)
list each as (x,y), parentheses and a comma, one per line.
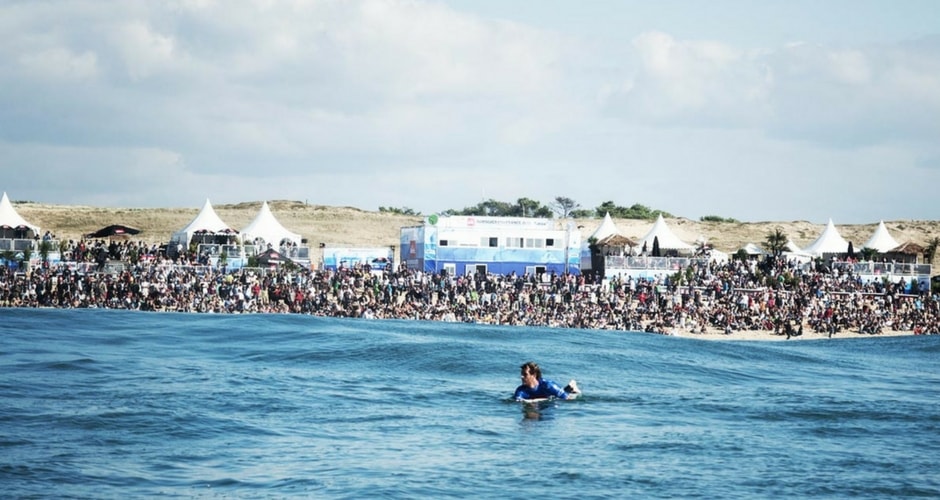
(772,295)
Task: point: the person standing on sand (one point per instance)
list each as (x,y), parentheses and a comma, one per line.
(535,387)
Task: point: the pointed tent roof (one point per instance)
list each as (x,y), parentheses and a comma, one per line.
(667,239)
(793,247)
(830,241)
(206,222)
(10,219)
(791,250)
(607,228)
(881,239)
(267,227)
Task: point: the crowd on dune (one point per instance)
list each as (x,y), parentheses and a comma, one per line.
(773,295)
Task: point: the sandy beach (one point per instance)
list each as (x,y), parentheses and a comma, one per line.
(769,336)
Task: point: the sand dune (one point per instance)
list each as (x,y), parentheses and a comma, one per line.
(352,226)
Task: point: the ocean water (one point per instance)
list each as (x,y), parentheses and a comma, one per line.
(118,404)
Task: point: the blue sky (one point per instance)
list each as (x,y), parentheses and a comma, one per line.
(761,111)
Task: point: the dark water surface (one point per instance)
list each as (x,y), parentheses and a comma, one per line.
(117,404)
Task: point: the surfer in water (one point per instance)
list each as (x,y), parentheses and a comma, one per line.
(535,387)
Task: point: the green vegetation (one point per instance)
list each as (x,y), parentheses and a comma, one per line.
(637,211)
(716,218)
(398,211)
(523,207)
(27,255)
(561,207)
(776,241)
(931,250)
(44,248)
(582,213)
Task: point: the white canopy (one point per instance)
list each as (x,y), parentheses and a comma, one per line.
(667,239)
(606,228)
(717,256)
(752,249)
(11,220)
(881,239)
(267,227)
(792,251)
(206,222)
(830,241)
(792,247)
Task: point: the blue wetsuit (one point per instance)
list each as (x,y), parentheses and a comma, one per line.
(545,389)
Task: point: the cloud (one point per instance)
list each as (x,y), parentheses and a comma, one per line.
(856,98)
(414,103)
(692,83)
(295,84)
(59,63)
(838,97)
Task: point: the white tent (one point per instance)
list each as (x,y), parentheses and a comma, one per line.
(607,234)
(881,239)
(717,256)
(792,247)
(791,251)
(207,222)
(830,241)
(752,249)
(607,228)
(667,239)
(267,227)
(11,221)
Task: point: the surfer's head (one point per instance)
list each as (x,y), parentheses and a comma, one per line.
(531,368)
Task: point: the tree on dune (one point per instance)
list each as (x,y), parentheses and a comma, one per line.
(530,208)
(776,241)
(564,206)
(523,207)
(637,211)
(931,250)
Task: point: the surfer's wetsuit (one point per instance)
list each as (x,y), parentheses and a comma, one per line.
(545,389)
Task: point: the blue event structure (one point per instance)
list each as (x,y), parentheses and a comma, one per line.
(461,245)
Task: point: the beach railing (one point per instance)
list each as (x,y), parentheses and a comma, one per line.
(884,268)
(18,245)
(654,263)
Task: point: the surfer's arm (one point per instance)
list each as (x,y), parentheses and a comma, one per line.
(571,390)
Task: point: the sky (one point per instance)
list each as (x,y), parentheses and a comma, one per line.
(758,111)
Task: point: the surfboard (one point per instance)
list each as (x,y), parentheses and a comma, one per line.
(533,401)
